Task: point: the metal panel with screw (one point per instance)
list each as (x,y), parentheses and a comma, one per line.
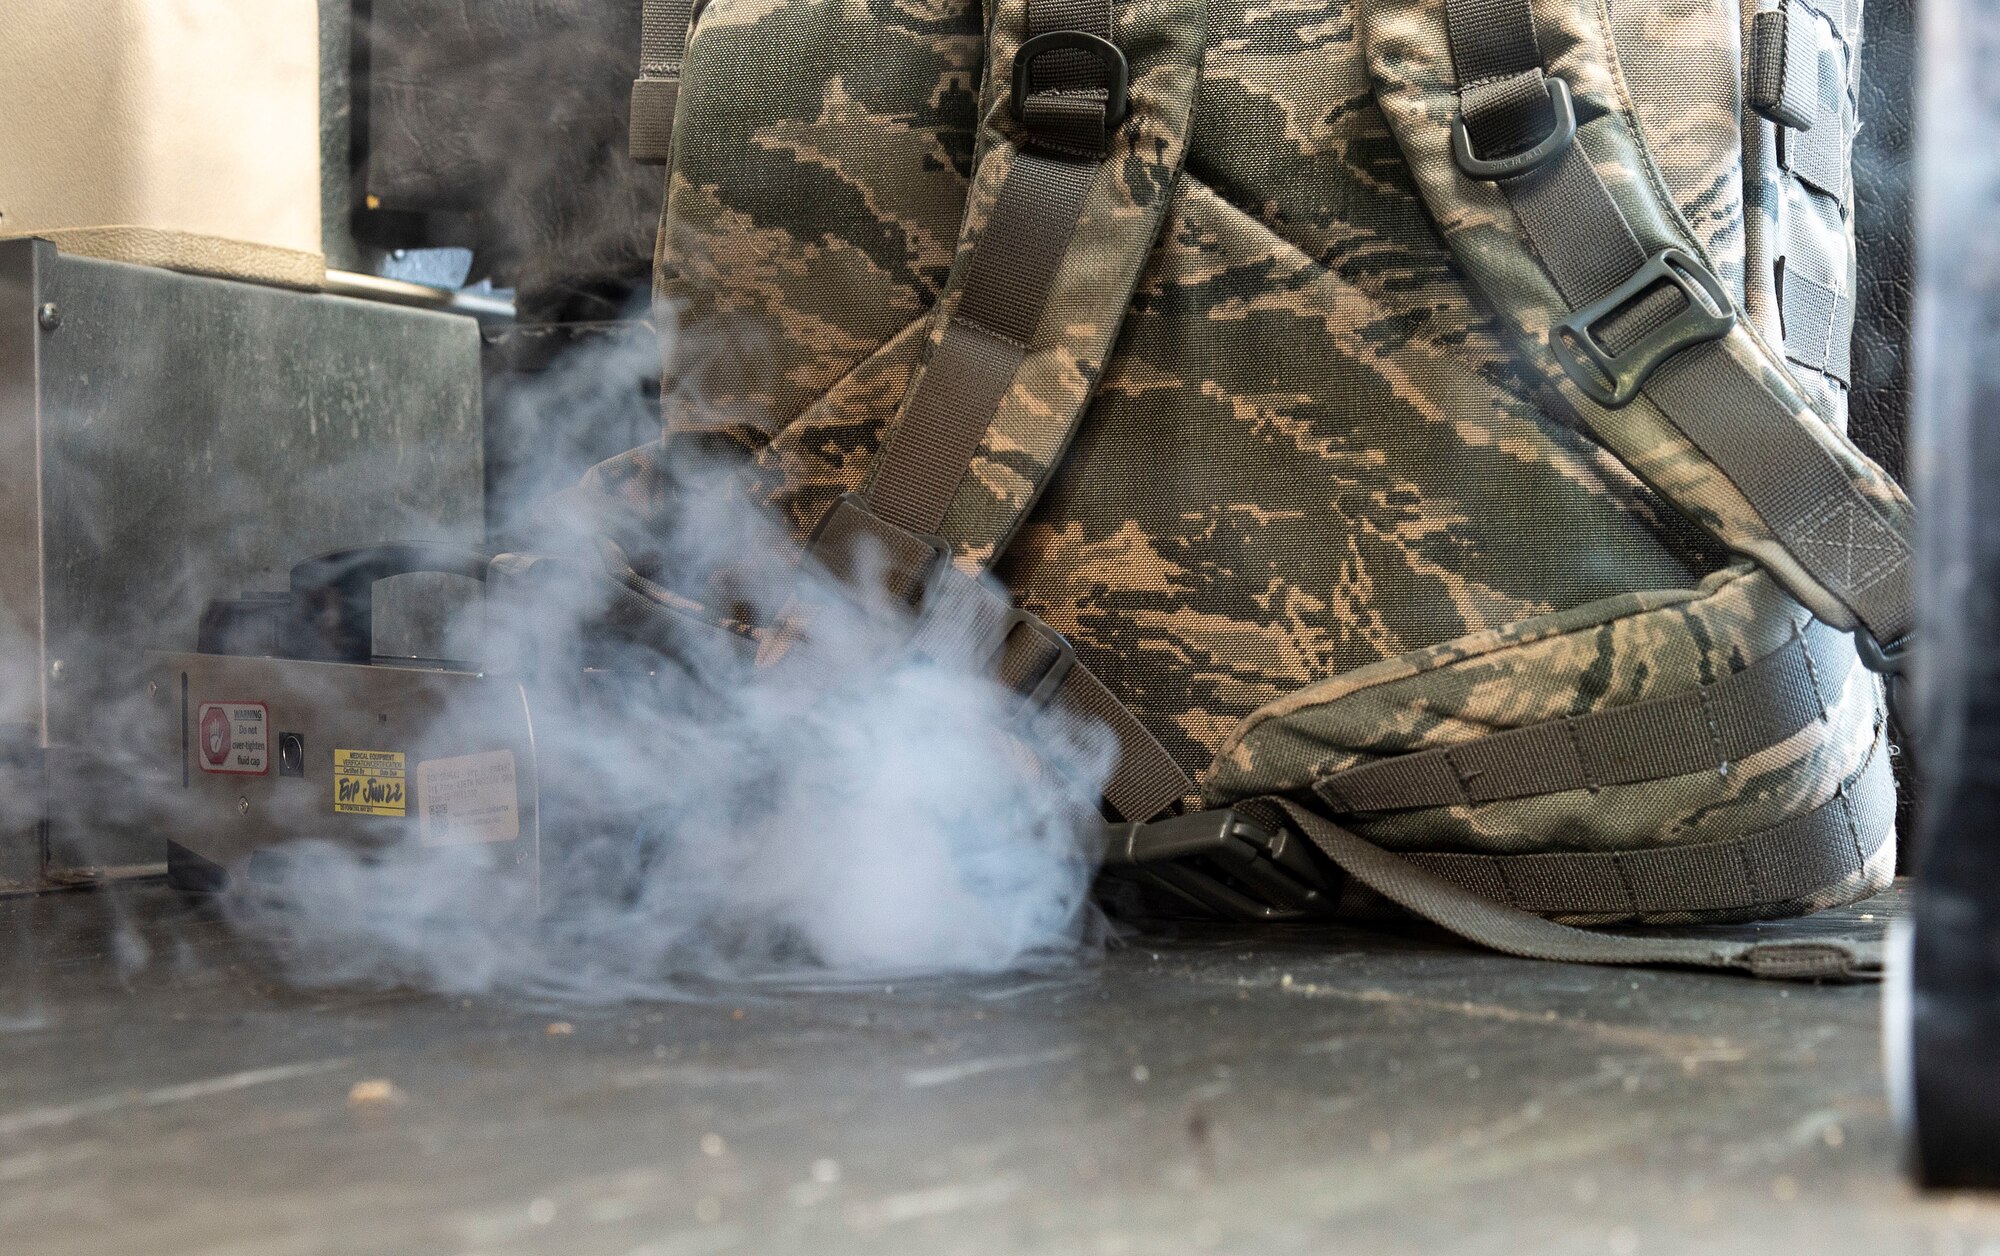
(166,439)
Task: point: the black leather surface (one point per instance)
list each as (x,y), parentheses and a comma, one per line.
(1878,407)
(1878,412)
(507,118)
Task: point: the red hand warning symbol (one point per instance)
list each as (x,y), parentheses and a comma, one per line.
(215,736)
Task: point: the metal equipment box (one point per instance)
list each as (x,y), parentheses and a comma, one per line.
(166,439)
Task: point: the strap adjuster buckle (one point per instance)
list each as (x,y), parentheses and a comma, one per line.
(1221,863)
(923,577)
(1892,660)
(1043,691)
(1513,165)
(1613,378)
(1117,70)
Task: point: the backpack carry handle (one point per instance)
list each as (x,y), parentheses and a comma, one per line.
(333,595)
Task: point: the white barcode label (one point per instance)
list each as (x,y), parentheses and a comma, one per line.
(469,799)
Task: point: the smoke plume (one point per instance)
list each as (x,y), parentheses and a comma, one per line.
(707,819)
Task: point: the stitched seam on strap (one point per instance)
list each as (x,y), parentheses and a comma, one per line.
(1750,872)
(1460,779)
(1707,696)
(1625,882)
(1812,674)
(1582,761)
(973,324)
(1853,826)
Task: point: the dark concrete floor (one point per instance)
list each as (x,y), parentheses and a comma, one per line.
(1330,1091)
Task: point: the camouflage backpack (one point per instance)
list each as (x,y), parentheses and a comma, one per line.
(1413,427)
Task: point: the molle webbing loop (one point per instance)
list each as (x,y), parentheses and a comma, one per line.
(1699,730)
(1781,81)
(1767,869)
(964,622)
(662,44)
(1648,322)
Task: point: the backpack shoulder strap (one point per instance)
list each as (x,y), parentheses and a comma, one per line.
(1087,109)
(1088,104)
(1536,170)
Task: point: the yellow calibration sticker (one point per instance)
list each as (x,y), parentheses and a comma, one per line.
(369,783)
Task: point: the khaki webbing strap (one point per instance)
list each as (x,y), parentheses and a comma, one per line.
(1705,729)
(662,45)
(1825,521)
(1069,114)
(1006,280)
(1512,931)
(1785,864)
(1079,154)
(1006,286)
(965,623)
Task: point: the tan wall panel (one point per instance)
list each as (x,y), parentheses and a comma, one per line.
(178,133)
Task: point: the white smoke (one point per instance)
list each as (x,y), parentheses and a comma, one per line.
(718,821)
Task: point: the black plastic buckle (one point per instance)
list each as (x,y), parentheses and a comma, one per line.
(1892,663)
(1221,863)
(1892,659)
(1117,70)
(1051,680)
(1613,379)
(1513,165)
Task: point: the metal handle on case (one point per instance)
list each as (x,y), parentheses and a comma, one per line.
(333,595)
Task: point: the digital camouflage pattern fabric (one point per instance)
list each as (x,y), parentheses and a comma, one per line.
(1317,494)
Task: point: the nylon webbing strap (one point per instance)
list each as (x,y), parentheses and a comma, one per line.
(965,623)
(1502,92)
(1006,286)
(1727,411)
(662,44)
(1007,278)
(1785,864)
(1065,107)
(1815,313)
(1705,729)
(1063,103)
(1512,931)
(1781,79)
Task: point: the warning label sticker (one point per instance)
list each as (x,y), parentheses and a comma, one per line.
(369,783)
(235,738)
(468,799)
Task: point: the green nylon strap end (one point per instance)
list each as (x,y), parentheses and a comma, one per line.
(1814,961)
(651,138)
(1515,932)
